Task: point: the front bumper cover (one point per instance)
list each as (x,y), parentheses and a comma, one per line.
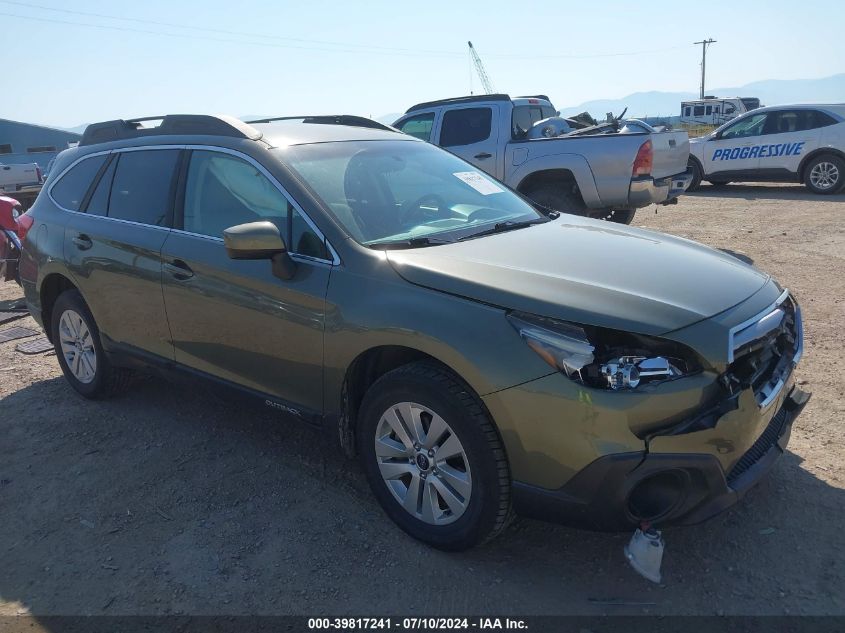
(645,190)
(598,497)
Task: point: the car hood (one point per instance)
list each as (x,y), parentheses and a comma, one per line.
(587,271)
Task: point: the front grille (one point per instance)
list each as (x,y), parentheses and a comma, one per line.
(762,446)
(764,350)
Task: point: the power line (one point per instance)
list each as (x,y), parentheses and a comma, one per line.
(206,37)
(222,31)
(301,43)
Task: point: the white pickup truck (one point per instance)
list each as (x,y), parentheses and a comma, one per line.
(22,181)
(606,171)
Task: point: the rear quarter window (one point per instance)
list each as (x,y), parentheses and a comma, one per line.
(69,191)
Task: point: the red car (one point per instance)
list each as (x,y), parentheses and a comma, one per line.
(11,231)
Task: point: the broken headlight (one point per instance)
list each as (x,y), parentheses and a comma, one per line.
(604,358)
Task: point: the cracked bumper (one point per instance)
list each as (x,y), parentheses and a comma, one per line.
(605,495)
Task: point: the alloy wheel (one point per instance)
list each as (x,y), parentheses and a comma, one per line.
(824,175)
(77,346)
(423,463)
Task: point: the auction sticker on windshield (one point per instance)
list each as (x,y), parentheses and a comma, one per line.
(478,182)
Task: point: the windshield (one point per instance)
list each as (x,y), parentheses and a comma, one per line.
(386,191)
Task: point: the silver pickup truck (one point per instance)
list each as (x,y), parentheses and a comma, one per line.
(22,181)
(605,171)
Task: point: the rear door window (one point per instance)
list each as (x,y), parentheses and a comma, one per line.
(142,190)
(466,126)
(70,190)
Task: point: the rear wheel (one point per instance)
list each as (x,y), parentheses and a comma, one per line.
(621,216)
(433,458)
(558,196)
(79,350)
(697,174)
(825,174)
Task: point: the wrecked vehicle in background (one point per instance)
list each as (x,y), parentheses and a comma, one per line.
(601,170)
(10,238)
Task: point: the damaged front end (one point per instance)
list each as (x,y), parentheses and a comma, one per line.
(700,460)
(746,428)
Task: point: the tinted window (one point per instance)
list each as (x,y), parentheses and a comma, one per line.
(99,202)
(698,111)
(224,190)
(141,190)
(70,190)
(465,126)
(5,148)
(419,125)
(822,119)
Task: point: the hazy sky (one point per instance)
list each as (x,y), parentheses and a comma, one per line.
(373,58)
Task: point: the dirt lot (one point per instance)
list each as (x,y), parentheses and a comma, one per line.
(169,500)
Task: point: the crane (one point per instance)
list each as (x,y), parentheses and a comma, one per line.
(479,68)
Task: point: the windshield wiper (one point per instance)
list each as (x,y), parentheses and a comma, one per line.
(413,242)
(502,227)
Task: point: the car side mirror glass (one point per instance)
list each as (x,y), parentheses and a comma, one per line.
(259,240)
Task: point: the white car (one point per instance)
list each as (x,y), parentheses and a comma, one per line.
(787,143)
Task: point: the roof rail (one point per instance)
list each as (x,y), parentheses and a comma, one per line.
(171,125)
(469,99)
(330,119)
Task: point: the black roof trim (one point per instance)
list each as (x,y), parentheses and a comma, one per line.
(171,125)
(350,120)
(470,99)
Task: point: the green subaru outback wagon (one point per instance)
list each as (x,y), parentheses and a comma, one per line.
(482,357)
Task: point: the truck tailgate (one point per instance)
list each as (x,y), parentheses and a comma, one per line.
(671,153)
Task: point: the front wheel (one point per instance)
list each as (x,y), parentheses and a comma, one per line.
(79,350)
(825,174)
(433,458)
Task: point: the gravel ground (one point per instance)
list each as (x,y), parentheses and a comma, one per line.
(169,500)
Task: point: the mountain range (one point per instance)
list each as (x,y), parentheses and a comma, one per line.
(770,92)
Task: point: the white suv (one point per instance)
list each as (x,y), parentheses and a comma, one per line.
(788,143)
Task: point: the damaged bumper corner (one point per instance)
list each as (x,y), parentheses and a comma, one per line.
(645,190)
(665,484)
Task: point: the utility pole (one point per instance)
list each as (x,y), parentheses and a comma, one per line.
(704,45)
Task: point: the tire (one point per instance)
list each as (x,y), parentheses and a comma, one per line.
(92,375)
(477,480)
(558,196)
(697,174)
(825,174)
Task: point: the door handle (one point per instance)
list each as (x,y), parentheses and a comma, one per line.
(179,269)
(82,242)
(483,155)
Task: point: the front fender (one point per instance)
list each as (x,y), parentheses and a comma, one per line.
(475,340)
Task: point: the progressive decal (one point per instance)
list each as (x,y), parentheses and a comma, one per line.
(759,151)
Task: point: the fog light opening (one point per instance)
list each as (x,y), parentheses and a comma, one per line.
(657,495)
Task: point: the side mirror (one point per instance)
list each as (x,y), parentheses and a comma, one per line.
(259,240)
